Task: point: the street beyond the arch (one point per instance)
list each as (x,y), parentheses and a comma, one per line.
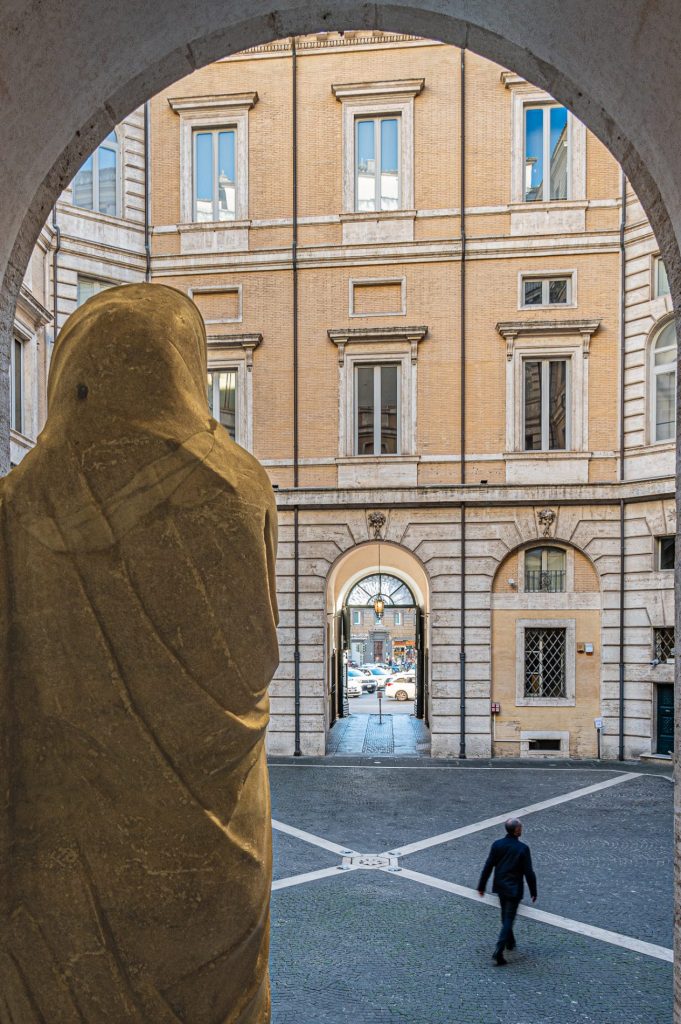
(375,917)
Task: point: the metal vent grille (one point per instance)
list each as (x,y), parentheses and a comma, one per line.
(664,643)
(545,663)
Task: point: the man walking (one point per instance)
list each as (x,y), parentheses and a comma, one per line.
(511,862)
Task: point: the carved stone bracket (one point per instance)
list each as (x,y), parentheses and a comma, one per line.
(546,517)
(377,521)
(247,342)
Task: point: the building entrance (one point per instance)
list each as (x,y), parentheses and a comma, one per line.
(379,694)
(665,718)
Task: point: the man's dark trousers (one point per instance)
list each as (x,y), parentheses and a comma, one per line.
(509,908)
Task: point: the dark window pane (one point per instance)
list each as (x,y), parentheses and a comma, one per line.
(17,389)
(226,176)
(365,410)
(559,152)
(532,406)
(388,410)
(227,388)
(557,405)
(558,291)
(533,293)
(667,552)
(534,153)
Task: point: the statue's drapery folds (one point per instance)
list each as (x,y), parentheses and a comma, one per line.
(138,549)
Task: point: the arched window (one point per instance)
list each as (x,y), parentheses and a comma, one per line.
(393,591)
(545,570)
(663,384)
(95,187)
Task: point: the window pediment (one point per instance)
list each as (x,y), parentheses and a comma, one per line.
(343,336)
(378,90)
(542,330)
(213,104)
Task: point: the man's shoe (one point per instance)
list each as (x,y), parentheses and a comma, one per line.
(510,946)
(499,959)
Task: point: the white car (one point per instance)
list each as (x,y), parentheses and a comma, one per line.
(401,687)
(354,688)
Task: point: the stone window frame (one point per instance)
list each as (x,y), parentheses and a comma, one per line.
(570,627)
(119,148)
(548,275)
(396,345)
(655,293)
(524,94)
(651,381)
(235,352)
(547,596)
(548,339)
(365,281)
(544,734)
(213,289)
(213,113)
(378,99)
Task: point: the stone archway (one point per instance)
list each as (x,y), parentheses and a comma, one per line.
(70,73)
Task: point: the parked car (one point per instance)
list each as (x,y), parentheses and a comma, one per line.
(401,687)
(355,687)
(378,677)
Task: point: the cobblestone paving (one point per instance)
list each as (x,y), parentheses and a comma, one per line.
(366,947)
(379,736)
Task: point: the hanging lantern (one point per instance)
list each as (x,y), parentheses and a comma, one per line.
(379,605)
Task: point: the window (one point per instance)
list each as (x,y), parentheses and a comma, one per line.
(666,552)
(377,171)
(376,409)
(356,617)
(215,186)
(663,370)
(545,570)
(545,663)
(397,618)
(663,643)
(546,153)
(89,286)
(17,386)
(95,187)
(222,399)
(660,281)
(547,291)
(545,404)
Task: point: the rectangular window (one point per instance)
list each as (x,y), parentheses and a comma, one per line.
(377,163)
(663,643)
(666,552)
(89,286)
(222,399)
(547,291)
(377,410)
(661,283)
(215,175)
(546,426)
(545,663)
(357,617)
(546,153)
(17,386)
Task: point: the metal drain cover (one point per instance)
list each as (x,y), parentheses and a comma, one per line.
(370,860)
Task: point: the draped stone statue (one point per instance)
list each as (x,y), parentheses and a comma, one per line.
(139,612)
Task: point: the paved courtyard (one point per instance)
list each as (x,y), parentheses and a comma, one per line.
(403,937)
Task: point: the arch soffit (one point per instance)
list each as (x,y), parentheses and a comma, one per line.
(141,63)
(362,560)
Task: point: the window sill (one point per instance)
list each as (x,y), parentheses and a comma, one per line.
(378,471)
(545,702)
(534,467)
(214,236)
(376,226)
(362,215)
(549,204)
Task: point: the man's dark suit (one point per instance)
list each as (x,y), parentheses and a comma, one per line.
(511,862)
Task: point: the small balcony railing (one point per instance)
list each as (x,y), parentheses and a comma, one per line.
(545,581)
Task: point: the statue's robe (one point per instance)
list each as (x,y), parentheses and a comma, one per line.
(139,613)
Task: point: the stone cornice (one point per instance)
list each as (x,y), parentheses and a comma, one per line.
(32,310)
(511,330)
(342,336)
(372,90)
(226,101)
(247,342)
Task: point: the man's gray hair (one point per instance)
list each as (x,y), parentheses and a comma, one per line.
(511,824)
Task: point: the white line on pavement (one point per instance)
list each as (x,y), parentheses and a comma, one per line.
(479,826)
(614,938)
(476,768)
(307,837)
(310,876)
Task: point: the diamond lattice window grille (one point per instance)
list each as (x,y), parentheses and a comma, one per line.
(663,640)
(545,663)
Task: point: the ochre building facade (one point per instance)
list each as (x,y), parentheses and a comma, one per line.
(436,313)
